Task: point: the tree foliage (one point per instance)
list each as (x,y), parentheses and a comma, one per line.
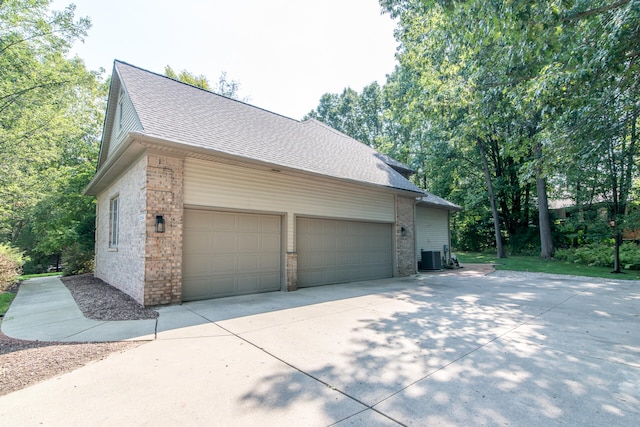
(11,261)
(224,87)
(51,116)
(525,101)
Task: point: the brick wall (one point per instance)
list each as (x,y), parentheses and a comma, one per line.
(292,271)
(405,236)
(123,266)
(163,255)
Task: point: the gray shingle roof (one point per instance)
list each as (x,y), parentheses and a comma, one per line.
(438,202)
(177,112)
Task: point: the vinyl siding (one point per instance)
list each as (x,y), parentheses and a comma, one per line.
(233,187)
(130,122)
(432,230)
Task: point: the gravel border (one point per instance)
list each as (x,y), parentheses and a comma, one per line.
(24,363)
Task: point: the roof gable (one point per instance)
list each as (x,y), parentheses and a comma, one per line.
(176,112)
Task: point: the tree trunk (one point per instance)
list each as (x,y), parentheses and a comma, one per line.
(492,201)
(616,257)
(546,242)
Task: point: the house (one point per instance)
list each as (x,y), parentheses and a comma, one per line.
(201,196)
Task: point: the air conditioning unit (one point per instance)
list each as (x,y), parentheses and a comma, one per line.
(431,260)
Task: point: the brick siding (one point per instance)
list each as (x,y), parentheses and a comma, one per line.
(405,240)
(163,255)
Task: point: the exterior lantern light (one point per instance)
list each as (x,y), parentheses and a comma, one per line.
(612,222)
(159,224)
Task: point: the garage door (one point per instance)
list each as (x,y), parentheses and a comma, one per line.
(331,251)
(229,254)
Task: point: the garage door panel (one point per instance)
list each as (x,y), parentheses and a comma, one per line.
(270,263)
(228,253)
(196,266)
(248,263)
(268,282)
(270,243)
(334,251)
(248,284)
(271,225)
(221,242)
(198,289)
(223,221)
(199,219)
(248,242)
(224,264)
(249,223)
(202,241)
(222,286)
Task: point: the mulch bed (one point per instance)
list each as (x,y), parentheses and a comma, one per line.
(23,363)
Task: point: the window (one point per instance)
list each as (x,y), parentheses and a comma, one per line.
(113,221)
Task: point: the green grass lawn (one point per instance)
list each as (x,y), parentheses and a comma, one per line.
(5,301)
(539,265)
(31,276)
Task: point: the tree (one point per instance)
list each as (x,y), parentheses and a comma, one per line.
(512,69)
(51,117)
(225,87)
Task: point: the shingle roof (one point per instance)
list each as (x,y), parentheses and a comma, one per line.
(438,202)
(181,113)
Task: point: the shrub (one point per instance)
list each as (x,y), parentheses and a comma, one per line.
(630,256)
(601,255)
(11,262)
(77,260)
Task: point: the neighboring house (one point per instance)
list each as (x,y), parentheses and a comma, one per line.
(201,196)
(599,209)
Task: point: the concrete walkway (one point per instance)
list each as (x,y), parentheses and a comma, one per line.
(505,349)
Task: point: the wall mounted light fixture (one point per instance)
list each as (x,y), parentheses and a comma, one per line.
(159,224)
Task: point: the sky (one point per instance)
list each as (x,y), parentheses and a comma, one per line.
(284,53)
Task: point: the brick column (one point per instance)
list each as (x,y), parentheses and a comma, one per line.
(405,236)
(292,271)
(163,260)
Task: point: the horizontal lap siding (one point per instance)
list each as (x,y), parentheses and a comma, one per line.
(232,187)
(130,122)
(432,229)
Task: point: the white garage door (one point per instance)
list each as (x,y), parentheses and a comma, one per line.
(331,251)
(229,254)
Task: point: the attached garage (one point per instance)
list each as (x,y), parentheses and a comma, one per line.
(228,253)
(335,251)
(249,201)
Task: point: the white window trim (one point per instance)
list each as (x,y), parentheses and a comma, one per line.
(114,221)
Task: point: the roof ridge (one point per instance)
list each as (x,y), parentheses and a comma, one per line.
(204,90)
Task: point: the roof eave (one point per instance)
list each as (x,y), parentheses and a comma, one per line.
(451,208)
(116,163)
(177,145)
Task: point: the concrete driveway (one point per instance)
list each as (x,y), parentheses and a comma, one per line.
(448,349)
